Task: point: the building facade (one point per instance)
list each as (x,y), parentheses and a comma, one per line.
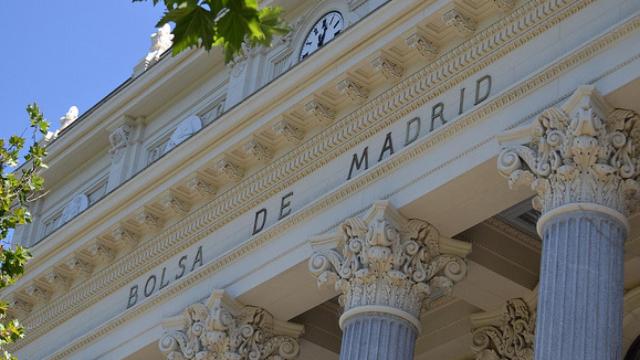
(375,185)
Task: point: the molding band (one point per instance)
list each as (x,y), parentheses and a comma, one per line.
(380,309)
(574,207)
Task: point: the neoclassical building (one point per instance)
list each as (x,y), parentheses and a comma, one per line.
(403,179)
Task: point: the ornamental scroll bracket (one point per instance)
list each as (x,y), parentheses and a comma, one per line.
(584,151)
(506,334)
(385,261)
(224,329)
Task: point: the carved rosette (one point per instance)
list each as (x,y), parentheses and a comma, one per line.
(511,339)
(223,329)
(385,261)
(579,153)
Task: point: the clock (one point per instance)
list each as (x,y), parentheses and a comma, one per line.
(323,31)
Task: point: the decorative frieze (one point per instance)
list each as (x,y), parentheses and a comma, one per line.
(509,335)
(423,46)
(390,69)
(353,90)
(258,151)
(322,113)
(384,261)
(229,171)
(222,328)
(582,152)
(464,25)
(288,131)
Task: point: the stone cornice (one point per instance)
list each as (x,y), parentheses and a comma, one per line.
(237,201)
(494,105)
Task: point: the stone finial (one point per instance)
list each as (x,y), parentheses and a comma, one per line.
(464,25)
(353,90)
(161,41)
(69,117)
(290,132)
(322,112)
(385,261)
(222,328)
(390,69)
(258,151)
(423,46)
(509,335)
(229,170)
(582,152)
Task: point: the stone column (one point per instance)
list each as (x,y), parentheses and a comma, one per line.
(386,269)
(582,161)
(223,328)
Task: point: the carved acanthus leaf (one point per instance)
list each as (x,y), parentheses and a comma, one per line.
(201,187)
(512,339)
(464,25)
(123,237)
(175,204)
(100,253)
(148,220)
(390,69)
(353,90)
(78,266)
(229,170)
(579,154)
(37,294)
(504,5)
(219,331)
(320,111)
(56,280)
(389,261)
(289,131)
(423,46)
(258,151)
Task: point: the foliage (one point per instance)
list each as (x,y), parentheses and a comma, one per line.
(16,189)
(225,23)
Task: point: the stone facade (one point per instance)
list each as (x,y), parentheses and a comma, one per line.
(192,213)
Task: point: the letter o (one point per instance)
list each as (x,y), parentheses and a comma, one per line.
(148,292)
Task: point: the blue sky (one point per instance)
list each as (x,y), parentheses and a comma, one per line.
(67,52)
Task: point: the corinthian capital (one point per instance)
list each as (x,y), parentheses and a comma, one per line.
(505,335)
(583,152)
(224,329)
(386,263)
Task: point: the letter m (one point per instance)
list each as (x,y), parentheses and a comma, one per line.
(357,163)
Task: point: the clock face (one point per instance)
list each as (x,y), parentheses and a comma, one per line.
(327,28)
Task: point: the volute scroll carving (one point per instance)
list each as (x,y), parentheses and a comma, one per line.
(385,260)
(511,337)
(583,152)
(223,329)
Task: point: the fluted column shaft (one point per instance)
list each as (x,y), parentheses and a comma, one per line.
(581,287)
(374,336)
